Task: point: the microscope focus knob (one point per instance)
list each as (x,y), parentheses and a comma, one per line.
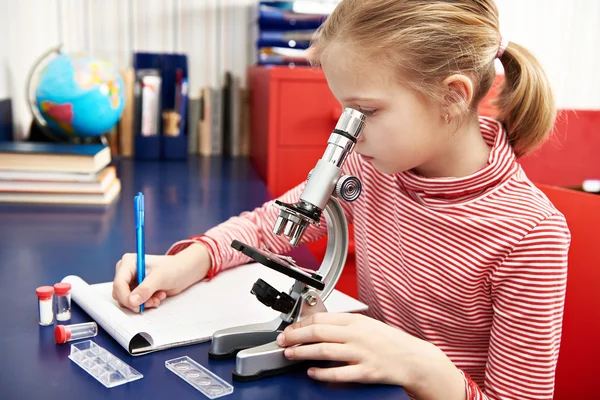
(348,187)
(271,297)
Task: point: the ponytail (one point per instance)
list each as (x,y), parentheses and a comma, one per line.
(525,103)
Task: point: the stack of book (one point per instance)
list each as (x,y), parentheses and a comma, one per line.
(285,29)
(57,173)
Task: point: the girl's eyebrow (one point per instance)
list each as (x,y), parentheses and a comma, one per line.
(366,99)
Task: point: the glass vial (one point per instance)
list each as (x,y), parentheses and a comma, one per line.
(45,305)
(63,301)
(66,333)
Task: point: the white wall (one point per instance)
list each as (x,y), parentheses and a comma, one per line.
(4,50)
(32,30)
(113,29)
(565,35)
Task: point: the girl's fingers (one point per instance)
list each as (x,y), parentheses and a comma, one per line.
(161,295)
(152,302)
(323,351)
(346,373)
(314,334)
(325,318)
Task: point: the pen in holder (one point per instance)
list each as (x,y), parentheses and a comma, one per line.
(140,240)
(258,354)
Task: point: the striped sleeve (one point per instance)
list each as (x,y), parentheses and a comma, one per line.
(255,228)
(528,293)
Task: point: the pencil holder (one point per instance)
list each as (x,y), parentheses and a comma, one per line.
(147,147)
(155,139)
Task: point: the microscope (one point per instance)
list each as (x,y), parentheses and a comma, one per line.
(258,354)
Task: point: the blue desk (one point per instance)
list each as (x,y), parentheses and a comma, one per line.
(39,245)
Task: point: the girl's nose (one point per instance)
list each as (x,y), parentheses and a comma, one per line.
(361,138)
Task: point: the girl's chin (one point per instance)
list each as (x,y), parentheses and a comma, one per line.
(384,169)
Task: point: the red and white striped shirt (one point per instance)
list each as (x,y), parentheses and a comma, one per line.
(476,265)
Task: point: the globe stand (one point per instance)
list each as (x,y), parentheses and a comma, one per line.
(39,130)
(43,134)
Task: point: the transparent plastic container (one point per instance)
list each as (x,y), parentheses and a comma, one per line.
(63,301)
(67,333)
(102,364)
(199,377)
(45,296)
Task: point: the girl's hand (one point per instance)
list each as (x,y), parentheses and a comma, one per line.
(373,352)
(165,276)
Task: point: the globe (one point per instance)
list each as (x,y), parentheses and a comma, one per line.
(77,96)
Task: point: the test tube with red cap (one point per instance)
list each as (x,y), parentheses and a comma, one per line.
(66,333)
(45,309)
(63,301)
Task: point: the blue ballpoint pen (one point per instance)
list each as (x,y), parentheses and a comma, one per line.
(139,236)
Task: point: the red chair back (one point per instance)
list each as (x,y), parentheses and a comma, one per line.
(579,357)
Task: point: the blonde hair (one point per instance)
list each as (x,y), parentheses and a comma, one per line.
(426,41)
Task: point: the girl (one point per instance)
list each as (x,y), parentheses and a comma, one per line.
(461,259)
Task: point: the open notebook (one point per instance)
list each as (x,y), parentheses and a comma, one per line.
(194,315)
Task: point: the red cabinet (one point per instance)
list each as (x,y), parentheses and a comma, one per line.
(292,115)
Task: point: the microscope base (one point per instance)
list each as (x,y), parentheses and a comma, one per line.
(227,343)
(262,362)
(267,374)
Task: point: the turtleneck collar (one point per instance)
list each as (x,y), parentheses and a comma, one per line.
(500,165)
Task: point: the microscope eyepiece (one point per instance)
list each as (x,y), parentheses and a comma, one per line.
(350,124)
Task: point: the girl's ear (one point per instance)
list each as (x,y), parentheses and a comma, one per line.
(459,94)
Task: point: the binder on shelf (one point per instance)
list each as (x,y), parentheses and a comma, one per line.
(284,29)
(231,125)
(282,56)
(271,17)
(292,39)
(161,87)
(126,129)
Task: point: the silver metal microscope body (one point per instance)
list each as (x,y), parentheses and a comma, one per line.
(260,355)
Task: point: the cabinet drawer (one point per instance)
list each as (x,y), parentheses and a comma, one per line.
(308,112)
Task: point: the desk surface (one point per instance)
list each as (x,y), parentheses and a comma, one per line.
(39,245)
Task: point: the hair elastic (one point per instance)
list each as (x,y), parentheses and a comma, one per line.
(502,48)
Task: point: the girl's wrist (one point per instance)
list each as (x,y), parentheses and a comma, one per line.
(435,376)
(195,260)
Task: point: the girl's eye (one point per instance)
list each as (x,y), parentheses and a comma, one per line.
(366,111)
